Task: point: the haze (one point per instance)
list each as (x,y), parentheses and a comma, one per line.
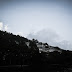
(46,20)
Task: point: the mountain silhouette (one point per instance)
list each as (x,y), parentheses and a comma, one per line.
(18,50)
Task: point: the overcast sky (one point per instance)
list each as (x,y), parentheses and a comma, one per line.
(46,20)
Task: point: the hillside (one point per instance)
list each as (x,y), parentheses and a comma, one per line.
(18,50)
(14,49)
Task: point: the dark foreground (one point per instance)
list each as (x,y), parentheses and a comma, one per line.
(49,68)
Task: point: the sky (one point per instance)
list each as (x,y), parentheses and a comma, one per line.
(46,20)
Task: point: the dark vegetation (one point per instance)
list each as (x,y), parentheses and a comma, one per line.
(14,51)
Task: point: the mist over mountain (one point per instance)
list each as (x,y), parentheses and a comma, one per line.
(52,38)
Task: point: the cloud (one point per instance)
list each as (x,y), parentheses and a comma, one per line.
(52,38)
(20,33)
(6,27)
(65,45)
(45,35)
(1,25)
